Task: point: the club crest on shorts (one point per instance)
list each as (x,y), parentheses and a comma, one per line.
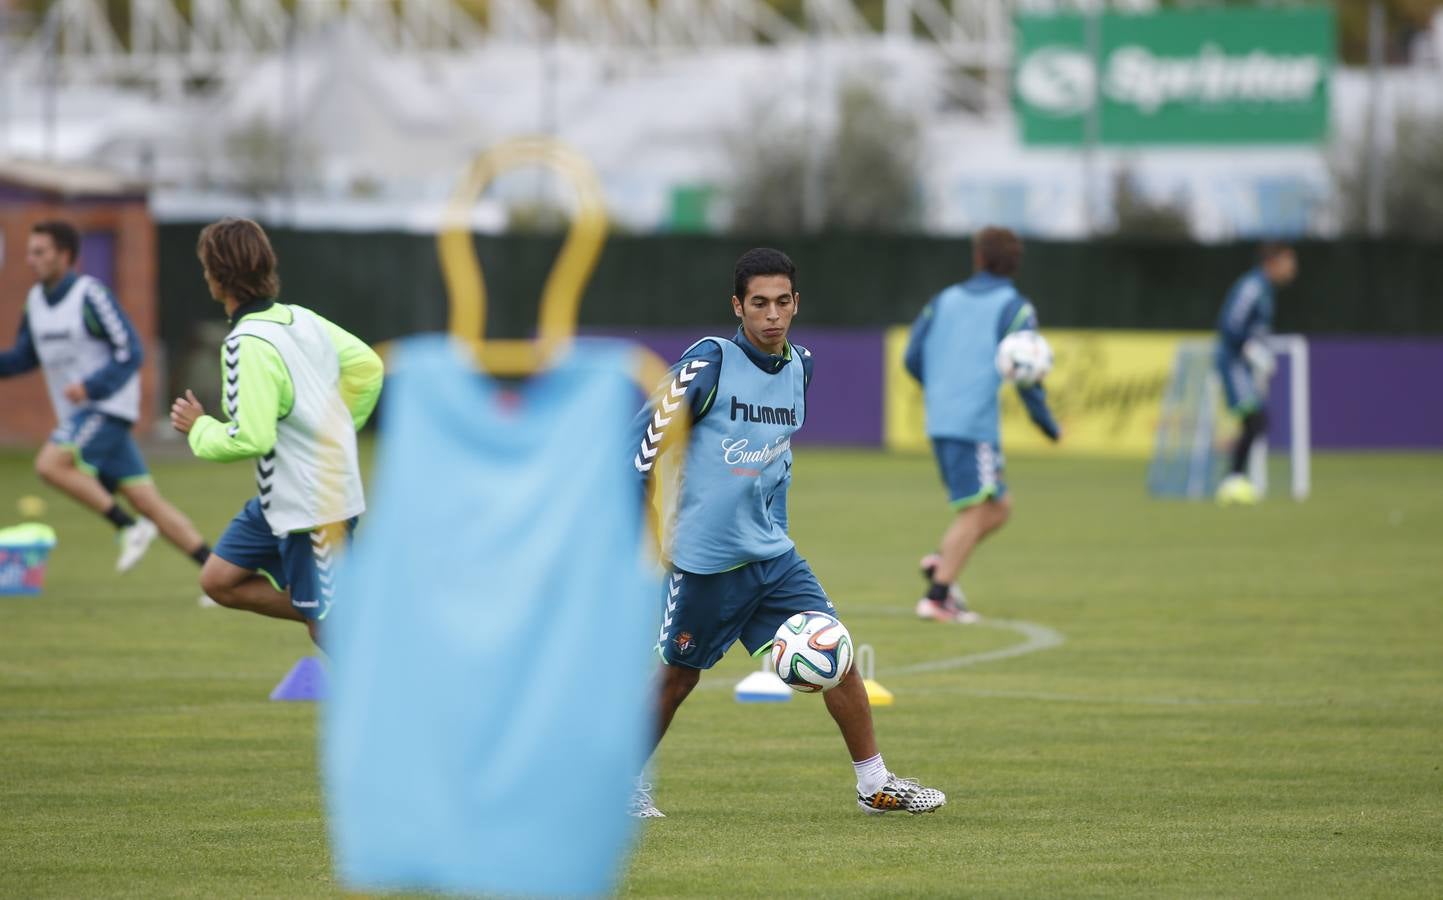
(684,643)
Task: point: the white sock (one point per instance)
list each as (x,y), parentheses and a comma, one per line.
(871,775)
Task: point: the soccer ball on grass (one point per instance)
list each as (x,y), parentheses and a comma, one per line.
(812,652)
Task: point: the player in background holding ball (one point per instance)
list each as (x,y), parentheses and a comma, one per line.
(735,574)
(952,352)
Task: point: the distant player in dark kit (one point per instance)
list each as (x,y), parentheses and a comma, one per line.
(735,574)
(952,352)
(297,389)
(76,333)
(1245,362)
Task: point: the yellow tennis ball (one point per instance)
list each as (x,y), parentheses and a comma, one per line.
(31,506)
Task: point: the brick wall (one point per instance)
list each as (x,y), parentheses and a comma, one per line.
(25,414)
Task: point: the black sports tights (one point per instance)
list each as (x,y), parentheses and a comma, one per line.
(1254,424)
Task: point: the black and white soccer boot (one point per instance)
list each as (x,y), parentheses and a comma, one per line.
(901,795)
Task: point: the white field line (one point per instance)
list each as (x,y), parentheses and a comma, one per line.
(1036,638)
(1051,697)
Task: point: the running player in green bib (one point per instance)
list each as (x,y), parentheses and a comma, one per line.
(297,388)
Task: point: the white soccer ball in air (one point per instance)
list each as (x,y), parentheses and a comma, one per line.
(812,652)
(1024,358)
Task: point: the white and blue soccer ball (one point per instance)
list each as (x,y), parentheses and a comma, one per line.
(1024,357)
(812,652)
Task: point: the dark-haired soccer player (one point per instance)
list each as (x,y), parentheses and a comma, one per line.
(1244,360)
(90,353)
(297,389)
(952,351)
(735,574)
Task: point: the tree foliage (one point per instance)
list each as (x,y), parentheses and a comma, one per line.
(1139,216)
(1412,180)
(864,176)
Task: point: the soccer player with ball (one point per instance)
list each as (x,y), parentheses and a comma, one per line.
(968,339)
(735,574)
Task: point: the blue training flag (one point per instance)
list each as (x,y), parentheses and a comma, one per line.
(490,704)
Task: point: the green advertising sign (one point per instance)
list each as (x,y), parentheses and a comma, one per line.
(1223,76)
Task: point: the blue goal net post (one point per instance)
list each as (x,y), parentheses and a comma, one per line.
(1195,430)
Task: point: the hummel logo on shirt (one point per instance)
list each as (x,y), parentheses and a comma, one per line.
(767,415)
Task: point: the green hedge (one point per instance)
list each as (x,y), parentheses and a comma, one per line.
(382,285)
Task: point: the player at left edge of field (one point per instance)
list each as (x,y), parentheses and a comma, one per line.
(81,339)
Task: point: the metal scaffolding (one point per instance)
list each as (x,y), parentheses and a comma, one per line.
(76,41)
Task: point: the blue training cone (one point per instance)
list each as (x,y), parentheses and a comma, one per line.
(764,686)
(305,681)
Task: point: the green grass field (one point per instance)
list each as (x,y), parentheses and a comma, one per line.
(1244,703)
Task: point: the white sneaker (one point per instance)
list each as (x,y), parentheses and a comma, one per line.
(134,541)
(206,603)
(641,805)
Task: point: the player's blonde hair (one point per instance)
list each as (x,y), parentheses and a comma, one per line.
(238,257)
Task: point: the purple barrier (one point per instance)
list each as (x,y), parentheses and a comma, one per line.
(1367,393)
(1377,393)
(844,402)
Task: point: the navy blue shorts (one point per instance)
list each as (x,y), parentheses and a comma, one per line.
(703,615)
(1239,385)
(103,448)
(971,470)
(301,562)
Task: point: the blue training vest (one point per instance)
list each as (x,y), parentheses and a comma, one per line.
(491,637)
(960,362)
(739,460)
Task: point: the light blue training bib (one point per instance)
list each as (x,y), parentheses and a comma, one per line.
(492,632)
(738,463)
(959,359)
